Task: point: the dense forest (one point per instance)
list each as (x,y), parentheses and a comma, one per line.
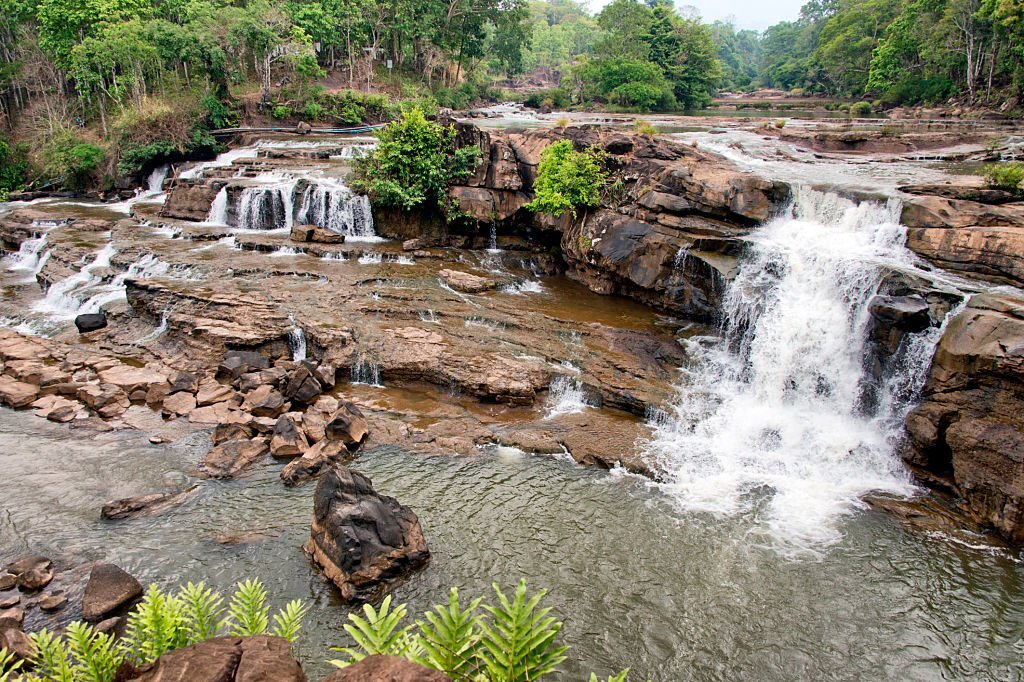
(116,85)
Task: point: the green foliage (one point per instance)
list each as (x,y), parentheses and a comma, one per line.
(860,109)
(96,653)
(567,179)
(163,621)
(517,643)
(314,111)
(14,166)
(414,163)
(248,613)
(618,677)
(451,637)
(280,111)
(52,658)
(1008,176)
(71,160)
(556,98)
(219,114)
(8,665)
(378,634)
(629,82)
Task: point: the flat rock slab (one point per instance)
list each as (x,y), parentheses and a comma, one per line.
(224,659)
(147,505)
(386,669)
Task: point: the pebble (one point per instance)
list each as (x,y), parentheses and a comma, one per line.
(8,602)
(7,581)
(52,602)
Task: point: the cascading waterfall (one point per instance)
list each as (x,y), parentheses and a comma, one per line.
(218,214)
(297,343)
(769,421)
(30,257)
(267,207)
(64,298)
(366,372)
(565,396)
(333,206)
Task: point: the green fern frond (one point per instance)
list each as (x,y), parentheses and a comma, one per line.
(248,613)
(519,645)
(8,665)
(618,677)
(96,654)
(51,658)
(288,621)
(378,633)
(450,638)
(155,627)
(203,612)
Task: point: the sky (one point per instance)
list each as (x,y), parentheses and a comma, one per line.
(755,14)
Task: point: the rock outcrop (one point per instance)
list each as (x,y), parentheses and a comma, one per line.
(386,669)
(222,659)
(968,431)
(361,540)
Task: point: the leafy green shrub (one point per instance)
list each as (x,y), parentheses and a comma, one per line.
(780,123)
(1006,176)
(860,109)
(71,160)
(644,128)
(631,83)
(280,111)
(414,163)
(513,642)
(162,622)
(137,159)
(165,130)
(219,114)
(314,111)
(918,90)
(567,179)
(557,98)
(13,167)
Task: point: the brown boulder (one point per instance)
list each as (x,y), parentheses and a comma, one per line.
(466,282)
(347,425)
(211,392)
(223,659)
(264,401)
(302,386)
(147,505)
(179,404)
(386,669)
(109,590)
(35,579)
(225,432)
(361,540)
(106,400)
(233,457)
(314,461)
(130,379)
(288,440)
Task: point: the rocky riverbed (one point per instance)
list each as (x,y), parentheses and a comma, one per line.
(257,310)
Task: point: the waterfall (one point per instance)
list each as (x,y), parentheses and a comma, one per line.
(366,372)
(565,396)
(156,179)
(333,206)
(264,207)
(297,342)
(30,257)
(218,214)
(769,421)
(64,298)
(492,239)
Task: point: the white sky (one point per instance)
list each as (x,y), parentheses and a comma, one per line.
(755,14)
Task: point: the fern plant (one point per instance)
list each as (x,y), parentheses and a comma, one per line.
(248,613)
(618,677)
(96,654)
(516,644)
(51,657)
(202,610)
(520,645)
(288,620)
(450,637)
(156,626)
(8,665)
(378,633)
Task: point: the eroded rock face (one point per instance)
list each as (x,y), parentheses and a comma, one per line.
(968,431)
(360,539)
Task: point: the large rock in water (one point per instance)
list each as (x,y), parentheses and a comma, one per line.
(109,590)
(968,431)
(222,659)
(90,322)
(360,539)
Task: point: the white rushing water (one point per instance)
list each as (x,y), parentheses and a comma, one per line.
(297,342)
(332,205)
(30,258)
(267,207)
(565,396)
(218,214)
(769,421)
(64,299)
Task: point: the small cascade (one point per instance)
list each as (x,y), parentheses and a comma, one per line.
(526,286)
(335,256)
(285,251)
(366,373)
(158,332)
(218,214)
(429,316)
(156,179)
(333,206)
(679,262)
(30,257)
(371,258)
(64,298)
(769,422)
(266,207)
(297,342)
(401,259)
(492,240)
(565,396)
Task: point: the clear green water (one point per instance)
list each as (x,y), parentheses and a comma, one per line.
(673,596)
